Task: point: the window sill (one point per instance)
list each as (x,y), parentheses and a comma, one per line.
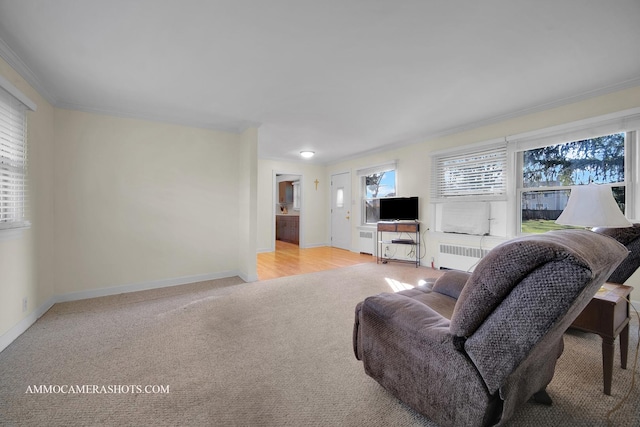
(12,233)
(367,226)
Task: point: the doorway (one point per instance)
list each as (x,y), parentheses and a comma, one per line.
(288,208)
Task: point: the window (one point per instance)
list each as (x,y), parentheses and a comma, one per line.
(13,157)
(340,197)
(548,172)
(377,182)
(296,196)
(477,173)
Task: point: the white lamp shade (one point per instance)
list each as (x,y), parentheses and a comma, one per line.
(592,205)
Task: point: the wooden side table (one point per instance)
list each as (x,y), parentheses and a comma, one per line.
(607,315)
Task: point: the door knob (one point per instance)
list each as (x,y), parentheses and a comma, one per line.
(347,217)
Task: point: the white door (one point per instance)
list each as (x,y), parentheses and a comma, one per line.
(341,210)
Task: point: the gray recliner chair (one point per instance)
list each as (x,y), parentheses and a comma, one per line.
(467,349)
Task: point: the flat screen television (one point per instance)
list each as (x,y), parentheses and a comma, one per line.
(399,209)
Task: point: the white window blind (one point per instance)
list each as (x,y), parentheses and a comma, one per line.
(478,173)
(13,162)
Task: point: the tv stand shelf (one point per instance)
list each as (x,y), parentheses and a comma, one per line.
(412,228)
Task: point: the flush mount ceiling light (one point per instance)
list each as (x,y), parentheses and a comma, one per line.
(307,154)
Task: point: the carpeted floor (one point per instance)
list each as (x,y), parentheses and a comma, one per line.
(269,353)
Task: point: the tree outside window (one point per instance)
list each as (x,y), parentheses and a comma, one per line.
(376,186)
(549,172)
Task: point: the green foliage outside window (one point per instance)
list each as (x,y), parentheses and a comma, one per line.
(382,184)
(599,160)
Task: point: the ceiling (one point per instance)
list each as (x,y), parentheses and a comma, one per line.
(339,77)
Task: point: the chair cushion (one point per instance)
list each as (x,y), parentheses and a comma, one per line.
(440,303)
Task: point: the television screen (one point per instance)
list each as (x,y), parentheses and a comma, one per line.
(399,209)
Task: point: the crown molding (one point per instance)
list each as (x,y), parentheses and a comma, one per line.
(235,126)
(25,72)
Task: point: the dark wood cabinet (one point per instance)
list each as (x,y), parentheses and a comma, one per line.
(287,228)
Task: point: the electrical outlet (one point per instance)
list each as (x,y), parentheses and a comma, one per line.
(24,304)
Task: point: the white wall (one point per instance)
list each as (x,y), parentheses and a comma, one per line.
(313,220)
(26,259)
(138,202)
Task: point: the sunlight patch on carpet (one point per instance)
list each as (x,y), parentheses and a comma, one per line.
(397,285)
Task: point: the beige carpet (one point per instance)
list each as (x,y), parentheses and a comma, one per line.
(269,353)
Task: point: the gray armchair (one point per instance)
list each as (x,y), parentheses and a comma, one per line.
(467,349)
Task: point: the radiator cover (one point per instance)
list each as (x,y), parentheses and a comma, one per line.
(459,257)
(367,242)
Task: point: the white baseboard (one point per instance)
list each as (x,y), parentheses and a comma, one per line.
(13,333)
(249,278)
(315,245)
(144,286)
(8,337)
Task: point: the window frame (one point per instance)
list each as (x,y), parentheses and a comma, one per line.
(296,195)
(362,176)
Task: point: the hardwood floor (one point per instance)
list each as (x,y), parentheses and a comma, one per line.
(289,259)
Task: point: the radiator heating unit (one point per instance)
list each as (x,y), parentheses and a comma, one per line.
(459,257)
(367,242)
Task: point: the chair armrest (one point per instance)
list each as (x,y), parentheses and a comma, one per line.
(413,318)
(451,283)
